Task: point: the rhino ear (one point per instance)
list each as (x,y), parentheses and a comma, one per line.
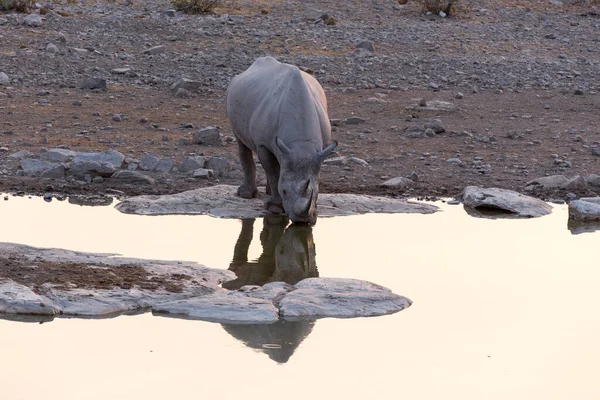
(282,147)
(327,150)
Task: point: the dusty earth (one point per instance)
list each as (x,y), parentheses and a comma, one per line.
(518,78)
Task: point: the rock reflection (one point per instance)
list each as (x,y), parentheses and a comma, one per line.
(288,256)
(579,227)
(279,340)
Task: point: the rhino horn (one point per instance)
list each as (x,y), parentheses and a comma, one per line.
(282,147)
(303,188)
(327,150)
(302,205)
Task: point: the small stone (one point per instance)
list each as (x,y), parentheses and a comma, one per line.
(51,48)
(32,20)
(355,120)
(186,84)
(117,117)
(398,183)
(429,132)
(455,161)
(596,151)
(578,92)
(367,45)
(93,83)
(120,71)
(203,173)
(169,13)
(132,178)
(459,96)
(422,103)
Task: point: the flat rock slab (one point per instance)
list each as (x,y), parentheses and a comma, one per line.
(74,283)
(222,201)
(508,201)
(51,282)
(225,308)
(339,298)
(586,209)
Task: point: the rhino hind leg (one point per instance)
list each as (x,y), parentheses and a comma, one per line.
(274,203)
(248,189)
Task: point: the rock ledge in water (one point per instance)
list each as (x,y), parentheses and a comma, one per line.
(504,200)
(221,201)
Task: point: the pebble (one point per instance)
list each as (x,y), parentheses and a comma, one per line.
(51,48)
(4,79)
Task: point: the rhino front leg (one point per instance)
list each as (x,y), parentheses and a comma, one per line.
(248,189)
(271,165)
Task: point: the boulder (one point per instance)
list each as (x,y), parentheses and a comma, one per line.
(20,299)
(219,165)
(148,162)
(57,155)
(192,163)
(547,182)
(164,166)
(576,183)
(91,83)
(82,168)
(110,156)
(339,298)
(593,180)
(44,169)
(208,136)
(586,209)
(222,201)
(503,200)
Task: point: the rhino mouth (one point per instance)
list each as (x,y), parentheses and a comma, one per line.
(304,210)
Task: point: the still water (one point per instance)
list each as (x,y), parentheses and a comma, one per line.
(502,309)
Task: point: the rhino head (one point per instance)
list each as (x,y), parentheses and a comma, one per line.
(299,181)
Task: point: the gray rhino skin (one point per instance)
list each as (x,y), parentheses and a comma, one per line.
(280,113)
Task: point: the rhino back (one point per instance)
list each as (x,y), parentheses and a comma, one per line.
(274,99)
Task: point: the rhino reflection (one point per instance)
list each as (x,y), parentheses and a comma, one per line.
(278,340)
(288,254)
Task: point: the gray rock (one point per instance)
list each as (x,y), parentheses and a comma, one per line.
(354,120)
(131,178)
(367,45)
(429,132)
(504,200)
(596,151)
(57,155)
(593,180)
(208,136)
(436,125)
(81,168)
(19,155)
(576,183)
(186,84)
(44,169)
(169,13)
(91,83)
(183,94)
(148,162)
(4,79)
(51,48)
(547,182)
(120,71)
(203,173)
(192,163)
(164,166)
(455,161)
(400,183)
(156,50)
(222,201)
(586,209)
(34,20)
(218,165)
(110,156)
(339,298)
(224,307)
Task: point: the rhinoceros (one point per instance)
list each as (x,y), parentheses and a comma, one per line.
(280,113)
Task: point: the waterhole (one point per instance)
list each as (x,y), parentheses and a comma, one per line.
(502,308)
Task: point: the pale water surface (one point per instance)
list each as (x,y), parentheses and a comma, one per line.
(503,309)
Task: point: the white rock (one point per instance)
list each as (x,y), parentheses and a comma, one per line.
(33,20)
(4,79)
(226,308)
(19,299)
(507,200)
(339,298)
(222,201)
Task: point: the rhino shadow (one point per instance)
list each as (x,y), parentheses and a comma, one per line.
(288,256)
